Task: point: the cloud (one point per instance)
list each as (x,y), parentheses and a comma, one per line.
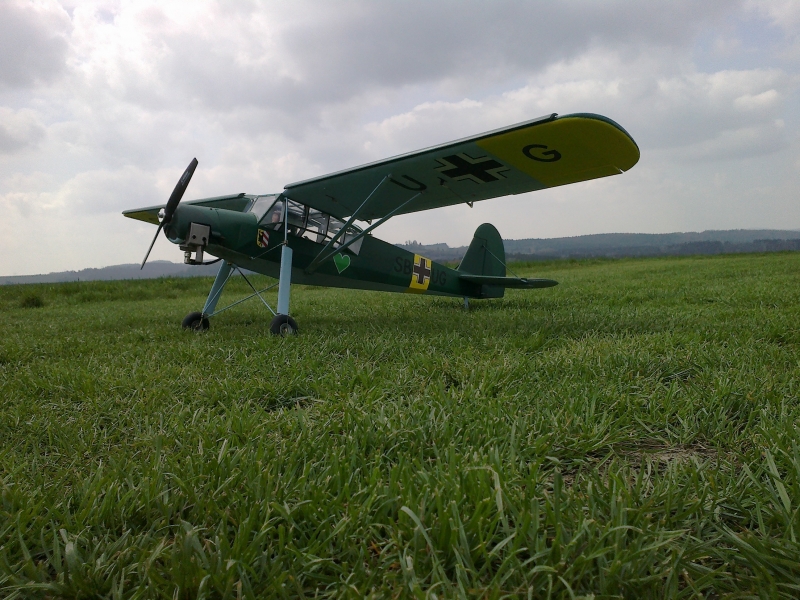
(19,130)
(698,115)
(102,191)
(87,193)
(294,59)
(758,102)
(742,143)
(33,48)
(783,13)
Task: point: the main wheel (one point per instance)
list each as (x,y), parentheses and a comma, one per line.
(195,321)
(283,325)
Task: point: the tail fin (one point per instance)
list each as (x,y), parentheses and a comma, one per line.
(486,254)
(485,264)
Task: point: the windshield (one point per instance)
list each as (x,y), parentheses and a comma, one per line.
(308,223)
(261,204)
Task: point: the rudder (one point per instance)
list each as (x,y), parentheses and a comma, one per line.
(486,254)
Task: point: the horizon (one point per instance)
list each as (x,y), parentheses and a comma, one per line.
(413,243)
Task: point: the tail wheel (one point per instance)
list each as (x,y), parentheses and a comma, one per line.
(283,325)
(195,321)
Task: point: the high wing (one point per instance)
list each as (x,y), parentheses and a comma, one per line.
(534,155)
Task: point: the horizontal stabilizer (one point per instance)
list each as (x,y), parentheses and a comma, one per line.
(508,282)
(149,214)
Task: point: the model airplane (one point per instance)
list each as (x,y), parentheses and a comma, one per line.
(307,234)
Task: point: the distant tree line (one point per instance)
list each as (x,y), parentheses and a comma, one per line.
(617,245)
(685,249)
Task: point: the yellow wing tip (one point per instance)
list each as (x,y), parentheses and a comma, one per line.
(627,150)
(573,148)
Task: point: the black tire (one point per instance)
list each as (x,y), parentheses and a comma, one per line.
(283,325)
(195,321)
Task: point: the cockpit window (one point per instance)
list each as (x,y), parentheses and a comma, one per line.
(297,217)
(335,226)
(274,214)
(261,204)
(307,222)
(297,214)
(316,226)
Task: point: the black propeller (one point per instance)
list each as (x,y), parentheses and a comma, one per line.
(172,203)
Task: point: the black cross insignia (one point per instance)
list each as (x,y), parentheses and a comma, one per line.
(421,270)
(479,170)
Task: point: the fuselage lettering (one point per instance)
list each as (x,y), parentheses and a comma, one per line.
(439,277)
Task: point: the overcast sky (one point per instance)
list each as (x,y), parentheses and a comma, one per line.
(103,104)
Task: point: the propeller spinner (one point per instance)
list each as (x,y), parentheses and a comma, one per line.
(172,203)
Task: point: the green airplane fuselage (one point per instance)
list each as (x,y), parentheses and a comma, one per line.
(239,238)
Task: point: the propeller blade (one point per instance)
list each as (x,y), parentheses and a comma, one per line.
(172,204)
(178,192)
(153,243)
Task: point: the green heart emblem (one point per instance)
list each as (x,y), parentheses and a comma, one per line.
(342,261)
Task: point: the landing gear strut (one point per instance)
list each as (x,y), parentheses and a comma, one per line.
(283,324)
(198,321)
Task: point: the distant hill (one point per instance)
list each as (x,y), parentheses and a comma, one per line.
(582,246)
(152,270)
(630,244)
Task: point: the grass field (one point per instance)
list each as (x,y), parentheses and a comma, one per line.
(632,432)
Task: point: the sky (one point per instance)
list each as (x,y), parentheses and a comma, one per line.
(104,103)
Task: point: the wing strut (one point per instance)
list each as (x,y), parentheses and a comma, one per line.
(314,263)
(320,258)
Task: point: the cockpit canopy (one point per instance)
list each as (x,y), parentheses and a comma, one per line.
(303,221)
